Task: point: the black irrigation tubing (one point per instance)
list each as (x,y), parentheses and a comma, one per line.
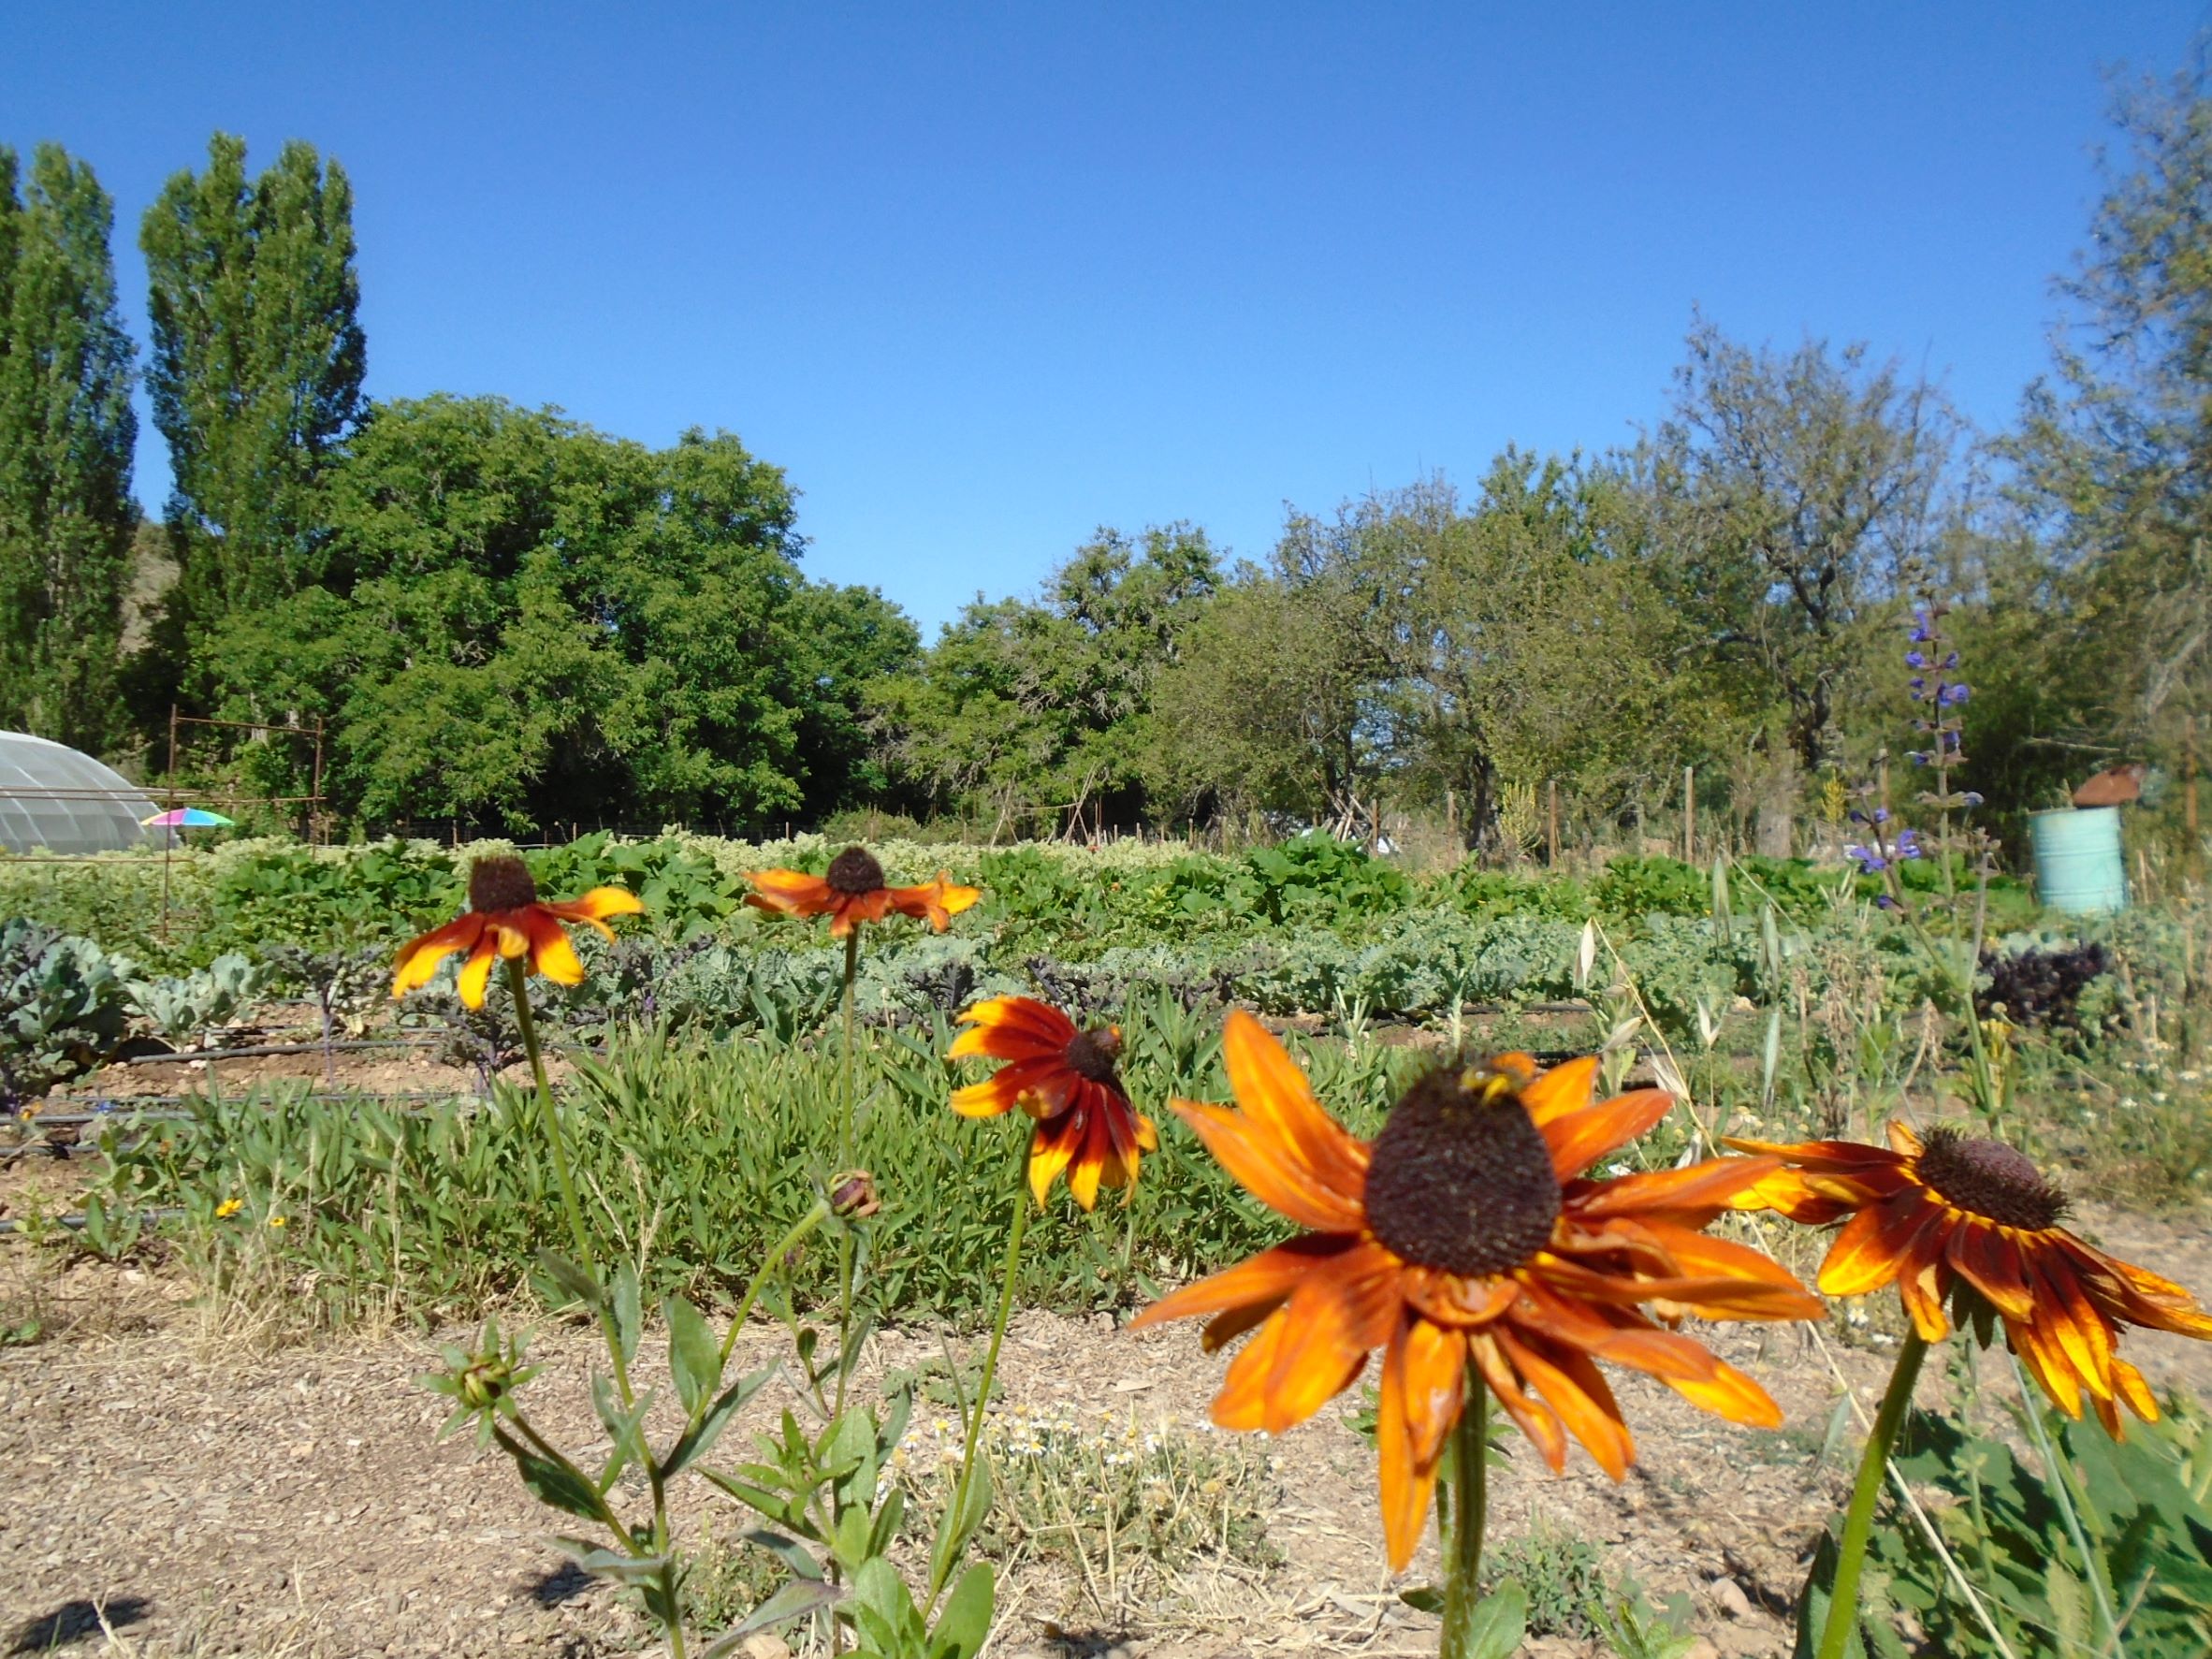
(124,1105)
(164,1108)
(178,1056)
(75,1221)
(184,1057)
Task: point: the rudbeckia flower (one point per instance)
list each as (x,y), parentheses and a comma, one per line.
(1927,1213)
(1065,1078)
(854,891)
(506,918)
(1467,1234)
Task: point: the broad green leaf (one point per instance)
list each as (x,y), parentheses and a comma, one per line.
(792,1601)
(559,1484)
(954,1529)
(1499,1623)
(575,1280)
(1813,1602)
(629,1312)
(604,1562)
(694,1358)
(699,1439)
(966,1620)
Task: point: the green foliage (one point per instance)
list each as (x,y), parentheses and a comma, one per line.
(1483,891)
(256,377)
(284,892)
(1440,649)
(184,1010)
(1798,888)
(709,1153)
(686,895)
(1317,878)
(1636,1627)
(1785,488)
(1648,885)
(2114,450)
(1560,1576)
(67,432)
(1569,1593)
(116,899)
(2143,1507)
(63,1006)
(523,620)
(1039,714)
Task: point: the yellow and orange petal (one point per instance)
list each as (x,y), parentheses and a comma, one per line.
(854,890)
(1929,1215)
(1370,1271)
(506,919)
(1066,1079)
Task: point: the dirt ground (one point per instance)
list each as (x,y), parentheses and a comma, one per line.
(171,1493)
(173,1490)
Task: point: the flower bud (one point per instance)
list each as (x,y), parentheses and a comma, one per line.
(486,1380)
(852,1194)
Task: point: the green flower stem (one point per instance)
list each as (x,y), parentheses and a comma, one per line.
(847,1106)
(2056,1476)
(672,1586)
(847,1103)
(783,1247)
(1859,1520)
(1470,1463)
(983,1393)
(518,980)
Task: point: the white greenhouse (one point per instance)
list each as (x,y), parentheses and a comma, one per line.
(55,799)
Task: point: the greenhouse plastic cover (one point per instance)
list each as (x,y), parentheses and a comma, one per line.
(53,797)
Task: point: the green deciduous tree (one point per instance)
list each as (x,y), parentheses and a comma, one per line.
(1792,491)
(527,622)
(255,372)
(2115,452)
(1429,651)
(1032,713)
(67,430)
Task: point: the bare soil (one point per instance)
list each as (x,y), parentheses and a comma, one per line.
(203,1499)
(172,1490)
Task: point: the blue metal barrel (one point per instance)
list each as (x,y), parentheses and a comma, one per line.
(2079,866)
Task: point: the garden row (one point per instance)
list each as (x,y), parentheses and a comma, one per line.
(1312,926)
(1066,901)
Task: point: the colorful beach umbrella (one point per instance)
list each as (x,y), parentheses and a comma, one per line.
(185,817)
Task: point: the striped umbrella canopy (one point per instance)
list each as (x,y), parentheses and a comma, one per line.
(186,818)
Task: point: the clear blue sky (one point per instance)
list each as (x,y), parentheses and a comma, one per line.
(983,278)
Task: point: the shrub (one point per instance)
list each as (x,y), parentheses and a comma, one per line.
(62,1007)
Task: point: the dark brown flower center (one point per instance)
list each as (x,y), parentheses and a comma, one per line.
(1460,1178)
(1096,1053)
(502,883)
(1990,1179)
(854,871)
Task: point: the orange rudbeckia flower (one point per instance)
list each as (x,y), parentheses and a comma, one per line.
(506,918)
(852,891)
(1066,1079)
(1467,1234)
(1930,1213)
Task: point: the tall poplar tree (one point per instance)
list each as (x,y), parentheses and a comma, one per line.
(256,369)
(67,430)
